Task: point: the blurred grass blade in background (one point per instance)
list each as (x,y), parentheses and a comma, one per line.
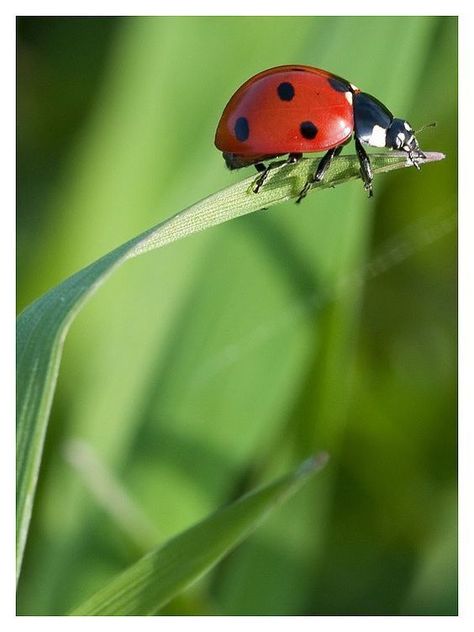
(42,326)
(155,579)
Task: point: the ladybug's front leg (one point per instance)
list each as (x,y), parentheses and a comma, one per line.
(365,168)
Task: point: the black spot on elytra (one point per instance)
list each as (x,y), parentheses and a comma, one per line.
(339,84)
(308,129)
(286,91)
(241,128)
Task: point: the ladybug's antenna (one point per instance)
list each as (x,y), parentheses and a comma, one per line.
(425,126)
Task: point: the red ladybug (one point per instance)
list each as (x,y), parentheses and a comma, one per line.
(300,109)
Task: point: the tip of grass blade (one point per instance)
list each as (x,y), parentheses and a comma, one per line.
(432,156)
(151,582)
(429,156)
(387,161)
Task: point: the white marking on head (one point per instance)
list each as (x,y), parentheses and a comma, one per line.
(354,87)
(400,139)
(378,137)
(348,96)
(407,127)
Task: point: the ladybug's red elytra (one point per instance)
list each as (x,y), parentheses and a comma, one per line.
(300,109)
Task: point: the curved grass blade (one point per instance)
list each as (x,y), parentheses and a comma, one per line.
(160,575)
(43,325)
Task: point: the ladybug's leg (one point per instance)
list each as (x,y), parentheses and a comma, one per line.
(320,171)
(292,158)
(325,162)
(260,167)
(365,169)
(415,157)
(263,171)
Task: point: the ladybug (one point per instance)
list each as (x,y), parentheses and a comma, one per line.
(300,109)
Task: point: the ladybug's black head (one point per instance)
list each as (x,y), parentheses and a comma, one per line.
(374,125)
(400,135)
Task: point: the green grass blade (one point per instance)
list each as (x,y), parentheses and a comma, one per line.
(160,575)
(42,327)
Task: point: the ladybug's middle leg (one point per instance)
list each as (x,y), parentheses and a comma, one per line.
(320,171)
(263,171)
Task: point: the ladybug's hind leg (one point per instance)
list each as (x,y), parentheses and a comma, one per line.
(260,167)
(320,171)
(292,158)
(263,171)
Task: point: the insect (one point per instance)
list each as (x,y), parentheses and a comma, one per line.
(300,109)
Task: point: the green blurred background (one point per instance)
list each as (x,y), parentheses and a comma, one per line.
(206,368)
